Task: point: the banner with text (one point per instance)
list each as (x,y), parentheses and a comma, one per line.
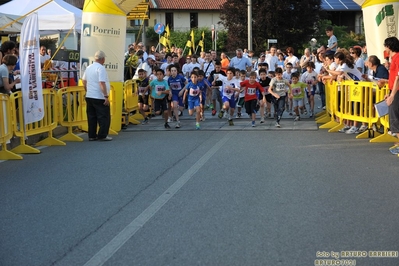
(31,80)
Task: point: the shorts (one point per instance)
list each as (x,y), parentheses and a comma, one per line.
(297,103)
(178,99)
(143,99)
(313,91)
(241,102)
(269,98)
(160,104)
(192,103)
(216,95)
(250,106)
(232,101)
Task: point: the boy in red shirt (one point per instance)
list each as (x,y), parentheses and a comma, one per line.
(251,97)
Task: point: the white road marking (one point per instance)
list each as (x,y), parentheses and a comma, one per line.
(119,240)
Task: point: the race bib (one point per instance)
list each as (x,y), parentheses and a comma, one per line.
(141,90)
(176,86)
(296,91)
(194,91)
(159,88)
(251,91)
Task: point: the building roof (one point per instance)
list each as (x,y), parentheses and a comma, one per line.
(187,5)
(340,5)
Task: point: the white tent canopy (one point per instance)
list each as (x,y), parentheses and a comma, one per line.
(57,15)
(6,19)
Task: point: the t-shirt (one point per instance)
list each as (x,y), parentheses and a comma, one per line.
(142,84)
(265,84)
(194,91)
(157,86)
(177,83)
(393,70)
(298,90)
(226,90)
(3,74)
(215,74)
(250,90)
(203,84)
(381,72)
(271,60)
(240,63)
(360,64)
(94,74)
(353,73)
(331,42)
(279,86)
(309,77)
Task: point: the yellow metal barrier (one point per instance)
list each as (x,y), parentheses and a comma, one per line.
(6,132)
(385,137)
(70,105)
(328,120)
(46,125)
(131,104)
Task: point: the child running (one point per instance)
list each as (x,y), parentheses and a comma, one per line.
(204,85)
(230,86)
(251,99)
(278,89)
(296,94)
(310,78)
(241,96)
(176,83)
(194,98)
(159,91)
(142,84)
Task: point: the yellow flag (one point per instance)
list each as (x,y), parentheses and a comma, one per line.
(163,41)
(201,42)
(189,45)
(192,40)
(167,31)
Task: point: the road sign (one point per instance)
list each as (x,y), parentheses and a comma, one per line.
(159,28)
(272,40)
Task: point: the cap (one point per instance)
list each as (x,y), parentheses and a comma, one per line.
(262,55)
(99,55)
(151,56)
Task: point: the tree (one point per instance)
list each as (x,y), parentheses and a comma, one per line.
(291,22)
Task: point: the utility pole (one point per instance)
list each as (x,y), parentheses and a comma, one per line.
(249,24)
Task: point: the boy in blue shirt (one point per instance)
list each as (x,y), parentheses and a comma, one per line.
(176,83)
(194,93)
(204,85)
(159,91)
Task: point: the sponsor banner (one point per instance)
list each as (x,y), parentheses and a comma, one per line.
(106,32)
(381,22)
(31,80)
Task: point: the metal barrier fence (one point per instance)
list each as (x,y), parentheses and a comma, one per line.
(131,100)
(6,132)
(354,101)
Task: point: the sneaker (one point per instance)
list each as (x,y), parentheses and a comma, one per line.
(297,118)
(211,106)
(238,115)
(269,115)
(197,126)
(213,112)
(344,129)
(177,124)
(277,124)
(362,129)
(324,108)
(351,130)
(180,113)
(392,134)
(310,114)
(231,122)
(221,113)
(290,114)
(145,121)
(253,124)
(305,112)
(170,119)
(262,120)
(167,125)
(394,150)
(105,139)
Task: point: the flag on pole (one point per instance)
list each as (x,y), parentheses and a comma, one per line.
(163,41)
(201,42)
(31,78)
(192,41)
(167,32)
(189,45)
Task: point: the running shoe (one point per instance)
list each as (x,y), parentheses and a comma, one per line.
(277,124)
(351,130)
(197,126)
(231,122)
(177,124)
(167,125)
(262,120)
(253,124)
(213,112)
(221,113)
(145,121)
(297,118)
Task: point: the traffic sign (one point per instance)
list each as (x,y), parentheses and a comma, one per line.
(159,28)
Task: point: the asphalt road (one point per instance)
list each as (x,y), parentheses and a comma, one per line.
(210,197)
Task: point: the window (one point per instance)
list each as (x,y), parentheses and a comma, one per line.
(169,20)
(193,20)
(135,22)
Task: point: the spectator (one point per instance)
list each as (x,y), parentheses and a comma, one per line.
(6,85)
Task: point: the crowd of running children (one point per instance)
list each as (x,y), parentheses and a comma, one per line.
(276,80)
